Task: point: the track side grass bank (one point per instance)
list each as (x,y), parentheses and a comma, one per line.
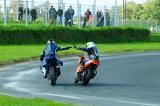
(21,53)
(15,101)
(155,37)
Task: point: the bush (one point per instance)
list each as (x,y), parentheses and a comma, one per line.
(29,35)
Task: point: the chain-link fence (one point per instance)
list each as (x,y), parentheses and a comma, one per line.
(150,24)
(32,12)
(24,12)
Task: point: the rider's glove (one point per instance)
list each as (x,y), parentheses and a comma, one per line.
(69,47)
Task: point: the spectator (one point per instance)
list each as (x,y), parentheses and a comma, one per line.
(53,15)
(107,16)
(99,18)
(68,17)
(20,13)
(87,14)
(34,14)
(60,13)
(72,14)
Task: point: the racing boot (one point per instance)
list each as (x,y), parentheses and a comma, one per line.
(78,78)
(44,71)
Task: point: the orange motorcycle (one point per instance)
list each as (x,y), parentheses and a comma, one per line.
(86,70)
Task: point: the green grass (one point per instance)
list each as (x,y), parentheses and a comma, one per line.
(31,25)
(155,34)
(25,52)
(155,37)
(15,101)
(128,47)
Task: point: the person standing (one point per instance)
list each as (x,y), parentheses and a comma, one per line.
(87,14)
(60,13)
(68,17)
(72,14)
(20,13)
(99,17)
(33,14)
(53,15)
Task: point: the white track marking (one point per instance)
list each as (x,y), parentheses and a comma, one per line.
(9,95)
(14,84)
(63,96)
(122,100)
(21,75)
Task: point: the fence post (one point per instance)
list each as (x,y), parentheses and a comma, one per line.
(148,23)
(156,26)
(133,21)
(105,13)
(46,13)
(63,19)
(79,15)
(60,3)
(17,13)
(93,15)
(32,5)
(26,10)
(5,13)
(115,14)
(123,13)
(140,23)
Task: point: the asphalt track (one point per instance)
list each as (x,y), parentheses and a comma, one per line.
(131,79)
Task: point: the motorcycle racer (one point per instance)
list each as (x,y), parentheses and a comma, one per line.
(93,56)
(50,53)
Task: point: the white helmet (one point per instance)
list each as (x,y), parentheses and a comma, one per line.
(50,41)
(90,44)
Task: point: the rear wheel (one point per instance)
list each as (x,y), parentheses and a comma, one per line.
(52,76)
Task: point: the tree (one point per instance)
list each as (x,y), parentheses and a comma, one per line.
(13,5)
(151,10)
(12,9)
(138,11)
(130,9)
(148,10)
(156,10)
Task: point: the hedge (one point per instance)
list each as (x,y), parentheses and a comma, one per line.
(24,35)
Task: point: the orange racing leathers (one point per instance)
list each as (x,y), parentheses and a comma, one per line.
(93,58)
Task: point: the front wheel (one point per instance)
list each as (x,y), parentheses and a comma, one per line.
(76,80)
(52,76)
(88,77)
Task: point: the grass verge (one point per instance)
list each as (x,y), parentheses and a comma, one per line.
(155,37)
(15,101)
(15,53)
